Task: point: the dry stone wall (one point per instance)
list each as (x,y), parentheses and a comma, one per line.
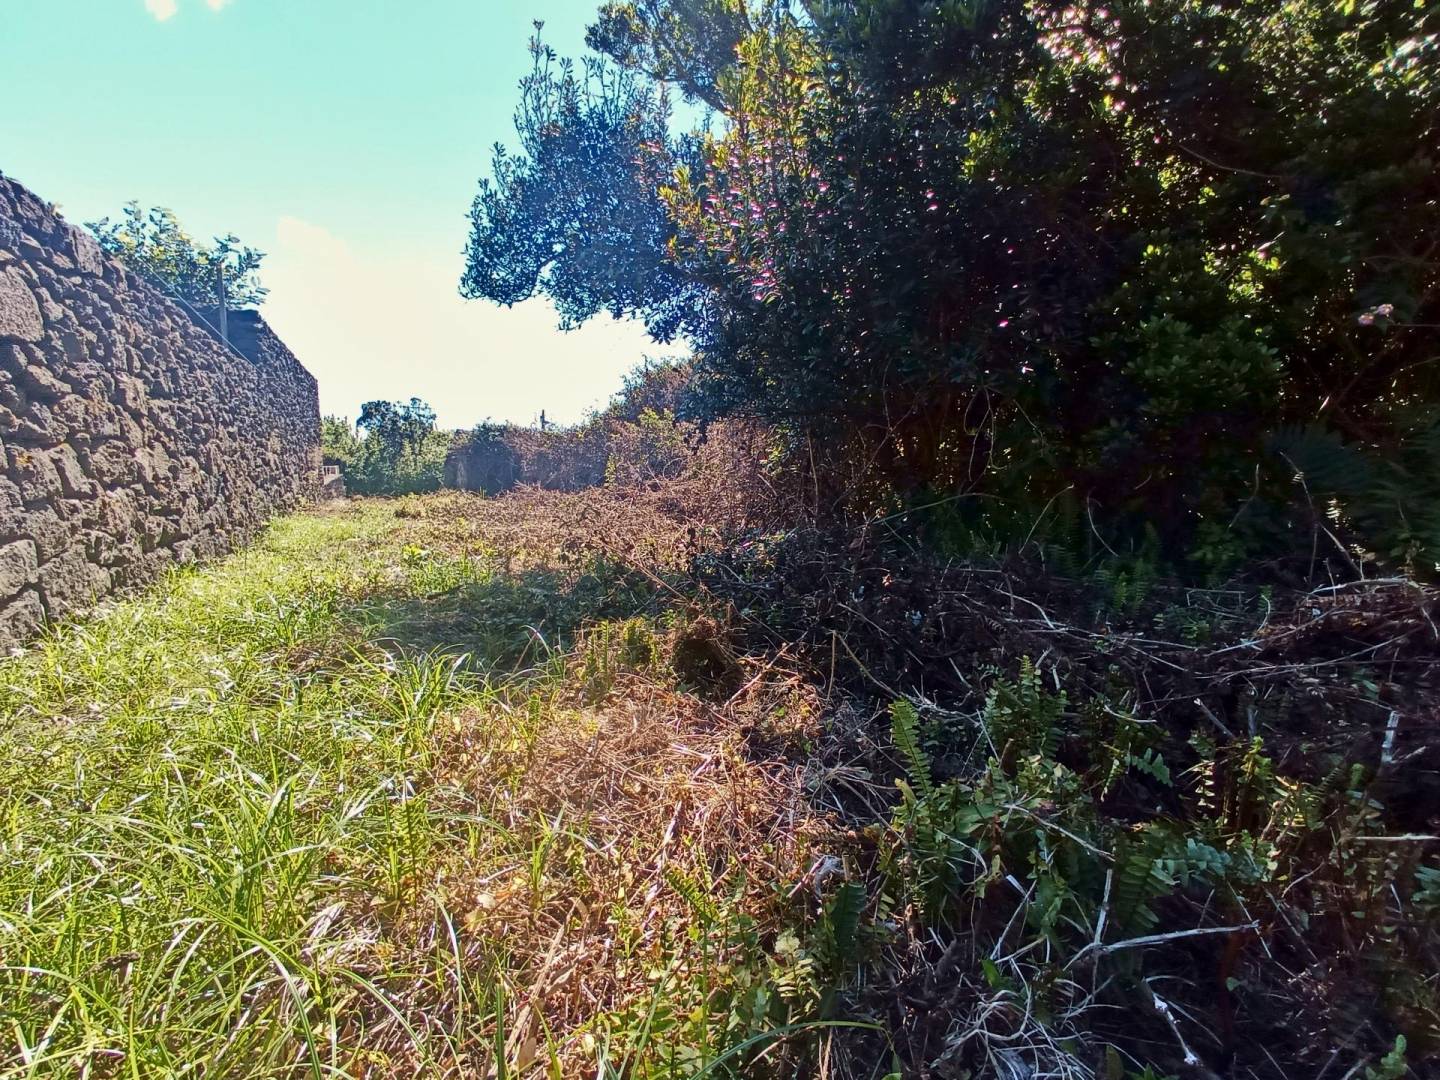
(131,437)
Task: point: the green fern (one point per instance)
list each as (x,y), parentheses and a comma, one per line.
(1152,765)
(841,923)
(1426,897)
(1119,743)
(1390,499)
(1324,461)
(1392,1065)
(1205,775)
(1141,878)
(1025,715)
(905,732)
(695,894)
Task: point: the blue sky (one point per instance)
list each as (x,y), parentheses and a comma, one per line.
(344,138)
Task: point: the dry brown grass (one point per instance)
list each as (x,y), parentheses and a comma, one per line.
(710,756)
(647,787)
(647,794)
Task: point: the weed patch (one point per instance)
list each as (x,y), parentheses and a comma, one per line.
(557,784)
(339,806)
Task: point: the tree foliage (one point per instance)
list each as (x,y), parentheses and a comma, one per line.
(152,243)
(398,451)
(577,216)
(1070,259)
(339,445)
(688,44)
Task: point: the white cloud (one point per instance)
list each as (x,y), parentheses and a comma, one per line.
(165,9)
(384,326)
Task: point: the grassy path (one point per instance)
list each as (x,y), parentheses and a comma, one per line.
(458,787)
(383,795)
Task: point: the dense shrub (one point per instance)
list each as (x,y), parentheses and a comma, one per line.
(494,458)
(399,453)
(1055,262)
(634,439)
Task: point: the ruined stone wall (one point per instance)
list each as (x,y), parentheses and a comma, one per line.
(131,438)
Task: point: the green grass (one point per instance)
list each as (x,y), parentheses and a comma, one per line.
(251,821)
(212,796)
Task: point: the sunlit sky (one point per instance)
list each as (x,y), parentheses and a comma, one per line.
(344,138)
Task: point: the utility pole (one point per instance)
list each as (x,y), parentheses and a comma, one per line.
(543,423)
(224,327)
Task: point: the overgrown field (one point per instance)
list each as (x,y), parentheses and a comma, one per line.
(258,822)
(565,785)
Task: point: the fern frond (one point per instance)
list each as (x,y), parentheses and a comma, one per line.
(1140,879)
(694,893)
(842,920)
(905,733)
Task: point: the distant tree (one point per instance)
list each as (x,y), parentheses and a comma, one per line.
(152,243)
(338,442)
(401,451)
(401,428)
(654,386)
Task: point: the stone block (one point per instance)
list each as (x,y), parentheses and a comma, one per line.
(73,481)
(19,310)
(18,565)
(35,424)
(49,531)
(116,512)
(75,343)
(83,419)
(34,472)
(40,382)
(104,549)
(52,311)
(12,512)
(85,250)
(112,463)
(20,618)
(71,581)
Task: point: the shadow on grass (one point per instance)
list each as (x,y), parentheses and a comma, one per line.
(505,620)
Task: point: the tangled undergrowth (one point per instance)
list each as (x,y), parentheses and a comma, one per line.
(561,784)
(1140,829)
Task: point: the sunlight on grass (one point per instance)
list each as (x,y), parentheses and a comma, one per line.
(254,823)
(212,797)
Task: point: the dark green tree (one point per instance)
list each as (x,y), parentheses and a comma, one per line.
(401,428)
(690,44)
(1087,262)
(577,215)
(338,442)
(401,452)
